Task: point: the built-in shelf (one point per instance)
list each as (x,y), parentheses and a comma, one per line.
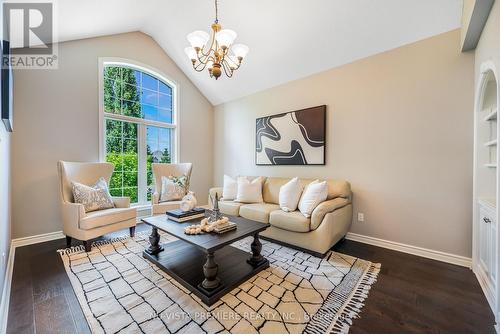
(490,165)
(491,143)
(492,116)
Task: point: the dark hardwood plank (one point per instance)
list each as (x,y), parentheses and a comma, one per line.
(412,294)
(419,295)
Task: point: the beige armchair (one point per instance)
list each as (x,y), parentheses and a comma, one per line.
(86,226)
(160,170)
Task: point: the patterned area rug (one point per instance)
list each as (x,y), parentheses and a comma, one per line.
(121,292)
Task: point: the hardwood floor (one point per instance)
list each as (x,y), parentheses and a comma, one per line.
(412,294)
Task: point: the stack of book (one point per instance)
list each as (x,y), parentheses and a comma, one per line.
(226,227)
(182,216)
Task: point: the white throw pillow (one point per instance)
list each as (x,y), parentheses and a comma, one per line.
(173,188)
(93,198)
(230,188)
(290,195)
(249,192)
(315,193)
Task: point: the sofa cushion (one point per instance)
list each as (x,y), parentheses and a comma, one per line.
(272,185)
(258,211)
(290,195)
(230,207)
(107,217)
(291,221)
(230,188)
(249,192)
(315,193)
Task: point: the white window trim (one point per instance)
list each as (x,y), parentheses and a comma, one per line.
(107,61)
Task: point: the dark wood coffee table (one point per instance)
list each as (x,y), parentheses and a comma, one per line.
(206,264)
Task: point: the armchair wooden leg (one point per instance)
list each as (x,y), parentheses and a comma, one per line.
(132,231)
(87,245)
(68,241)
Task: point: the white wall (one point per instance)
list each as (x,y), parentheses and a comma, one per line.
(56,116)
(399,128)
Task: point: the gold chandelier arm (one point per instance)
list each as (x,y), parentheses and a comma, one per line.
(234,65)
(204,57)
(211,48)
(227,69)
(202,65)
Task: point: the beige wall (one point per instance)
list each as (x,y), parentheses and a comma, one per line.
(400,129)
(5,203)
(56,115)
(5,225)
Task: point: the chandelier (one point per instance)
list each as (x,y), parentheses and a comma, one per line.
(221,54)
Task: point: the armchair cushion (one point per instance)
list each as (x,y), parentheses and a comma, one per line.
(290,221)
(107,217)
(325,207)
(121,202)
(163,207)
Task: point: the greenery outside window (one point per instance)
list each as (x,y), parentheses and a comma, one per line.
(139,127)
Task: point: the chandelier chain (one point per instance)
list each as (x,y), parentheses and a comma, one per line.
(216,13)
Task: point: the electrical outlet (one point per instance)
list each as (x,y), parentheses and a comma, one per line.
(361,217)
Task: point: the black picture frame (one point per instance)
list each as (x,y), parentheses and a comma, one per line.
(6,89)
(321,118)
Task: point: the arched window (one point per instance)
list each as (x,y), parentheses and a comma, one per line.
(138,126)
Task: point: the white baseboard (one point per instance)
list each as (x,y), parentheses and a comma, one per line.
(486,286)
(414,250)
(19,242)
(36,239)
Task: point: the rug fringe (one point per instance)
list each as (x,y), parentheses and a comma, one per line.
(80,248)
(355,304)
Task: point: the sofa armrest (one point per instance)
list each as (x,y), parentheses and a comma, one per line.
(121,202)
(155,198)
(326,207)
(211,194)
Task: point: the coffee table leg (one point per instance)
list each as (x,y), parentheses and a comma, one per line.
(210,269)
(256,247)
(154,240)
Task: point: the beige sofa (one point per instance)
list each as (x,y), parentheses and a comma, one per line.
(328,223)
(83,225)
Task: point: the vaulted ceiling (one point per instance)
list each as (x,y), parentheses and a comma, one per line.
(288,39)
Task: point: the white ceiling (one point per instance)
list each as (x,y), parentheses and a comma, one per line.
(288,39)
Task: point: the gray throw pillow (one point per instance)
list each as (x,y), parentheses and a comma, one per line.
(93,198)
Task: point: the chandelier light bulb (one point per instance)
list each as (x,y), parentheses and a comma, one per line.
(190,52)
(225,37)
(240,50)
(198,39)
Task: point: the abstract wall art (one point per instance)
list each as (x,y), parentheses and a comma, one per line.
(292,138)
